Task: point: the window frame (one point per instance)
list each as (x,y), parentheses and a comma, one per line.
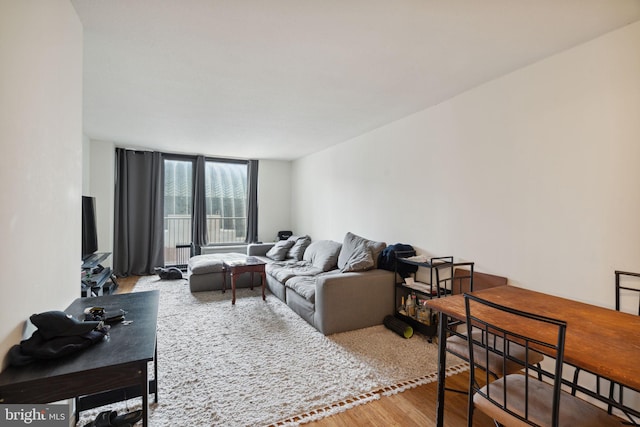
(192,158)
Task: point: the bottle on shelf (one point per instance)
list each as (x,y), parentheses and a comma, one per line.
(401,309)
(411,305)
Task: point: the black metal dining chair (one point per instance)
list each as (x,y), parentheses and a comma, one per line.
(468,281)
(630,288)
(522,399)
(627,288)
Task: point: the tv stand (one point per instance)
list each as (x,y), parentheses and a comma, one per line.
(97,280)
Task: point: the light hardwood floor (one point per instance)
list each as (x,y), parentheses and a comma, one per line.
(414,407)
(126,284)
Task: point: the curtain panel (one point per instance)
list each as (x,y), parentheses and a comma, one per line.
(199,222)
(138,224)
(252,204)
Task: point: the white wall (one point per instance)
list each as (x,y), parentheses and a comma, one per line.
(102,187)
(533,176)
(41,162)
(86,165)
(274,198)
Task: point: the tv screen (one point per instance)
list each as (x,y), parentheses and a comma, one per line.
(89,232)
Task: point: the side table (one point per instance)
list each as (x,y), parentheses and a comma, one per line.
(109,371)
(250,265)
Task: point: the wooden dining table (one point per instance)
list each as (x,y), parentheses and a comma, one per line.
(602,341)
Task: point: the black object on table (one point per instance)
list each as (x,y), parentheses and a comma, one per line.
(109,371)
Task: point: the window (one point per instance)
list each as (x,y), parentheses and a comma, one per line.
(226,202)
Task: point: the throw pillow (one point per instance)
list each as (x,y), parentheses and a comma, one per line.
(299,246)
(279,251)
(323,254)
(376,250)
(352,242)
(361,259)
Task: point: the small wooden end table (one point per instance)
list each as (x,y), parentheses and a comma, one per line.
(250,265)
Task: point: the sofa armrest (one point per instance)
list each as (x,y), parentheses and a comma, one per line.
(259,249)
(353,300)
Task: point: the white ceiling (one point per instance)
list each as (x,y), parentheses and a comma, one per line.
(280,79)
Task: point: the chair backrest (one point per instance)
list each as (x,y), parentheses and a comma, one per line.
(627,283)
(462,281)
(514,328)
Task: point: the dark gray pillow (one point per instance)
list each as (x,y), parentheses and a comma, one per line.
(279,251)
(299,246)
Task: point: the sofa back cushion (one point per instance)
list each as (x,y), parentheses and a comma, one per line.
(279,251)
(353,255)
(360,259)
(323,254)
(300,244)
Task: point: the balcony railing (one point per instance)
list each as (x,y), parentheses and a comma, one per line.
(177,231)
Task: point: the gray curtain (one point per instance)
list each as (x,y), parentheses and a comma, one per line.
(252,206)
(199,215)
(138,223)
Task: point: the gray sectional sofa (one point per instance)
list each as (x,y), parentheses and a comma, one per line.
(336,287)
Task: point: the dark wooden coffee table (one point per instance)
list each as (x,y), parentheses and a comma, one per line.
(104,373)
(250,265)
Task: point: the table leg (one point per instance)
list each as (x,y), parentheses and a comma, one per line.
(144,374)
(233,288)
(155,371)
(264,284)
(442,363)
(224,280)
(252,280)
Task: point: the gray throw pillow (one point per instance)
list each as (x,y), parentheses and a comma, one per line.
(279,251)
(299,246)
(360,259)
(376,250)
(353,243)
(323,254)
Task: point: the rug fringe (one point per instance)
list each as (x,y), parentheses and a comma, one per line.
(352,402)
(320,413)
(427,379)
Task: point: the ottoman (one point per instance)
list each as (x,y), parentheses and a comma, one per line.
(205,272)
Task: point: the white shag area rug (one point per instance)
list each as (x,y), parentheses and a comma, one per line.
(258,363)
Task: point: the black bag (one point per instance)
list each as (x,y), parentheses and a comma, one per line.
(284,235)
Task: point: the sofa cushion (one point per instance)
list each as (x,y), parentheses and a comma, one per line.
(300,245)
(279,251)
(356,244)
(360,259)
(323,254)
(376,250)
(305,286)
(204,264)
(283,271)
(211,263)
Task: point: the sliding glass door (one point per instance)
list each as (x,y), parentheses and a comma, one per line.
(225,207)
(178,210)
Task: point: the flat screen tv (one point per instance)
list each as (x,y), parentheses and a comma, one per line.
(89,231)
